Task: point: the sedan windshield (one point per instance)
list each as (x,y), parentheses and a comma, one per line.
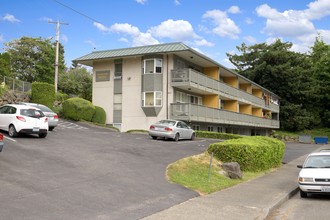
(318,162)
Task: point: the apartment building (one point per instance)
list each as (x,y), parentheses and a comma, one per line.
(138,86)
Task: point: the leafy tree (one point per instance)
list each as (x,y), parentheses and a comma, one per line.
(33,59)
(320,57)
(76,82)
(287,74)
(5,64)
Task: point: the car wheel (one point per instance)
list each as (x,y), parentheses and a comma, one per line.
(303,194)
(154,137)
(42,135)
(12,131)
(177,137)
(51,128)
(193,136)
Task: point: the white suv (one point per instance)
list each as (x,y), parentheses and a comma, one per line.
(19,119)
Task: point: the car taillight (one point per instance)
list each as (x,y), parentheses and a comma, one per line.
(1,137)
(152,127)
(46,119)
(168,129)
(20,118)
(55,116)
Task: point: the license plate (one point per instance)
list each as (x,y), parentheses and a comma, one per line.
(51,118)
(35,129)
(325,189)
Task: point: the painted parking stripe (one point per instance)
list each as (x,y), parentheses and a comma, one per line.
(9,138)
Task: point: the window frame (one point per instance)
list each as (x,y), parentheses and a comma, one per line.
(155,98)
(155,66)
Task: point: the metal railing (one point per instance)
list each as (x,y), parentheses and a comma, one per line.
(15,84)
(193,78)
(192,112)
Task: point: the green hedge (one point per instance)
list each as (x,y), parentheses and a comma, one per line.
(77,109)
(217,135)
(43,93)
(252,153)
(99,115)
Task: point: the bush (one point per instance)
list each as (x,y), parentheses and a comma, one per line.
(43,93)
(217,135)
(99,115)
(252,153)
(78,109)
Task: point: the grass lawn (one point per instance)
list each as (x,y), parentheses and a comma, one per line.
(295,135)
(192,172)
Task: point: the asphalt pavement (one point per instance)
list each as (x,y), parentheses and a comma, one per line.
(254,199)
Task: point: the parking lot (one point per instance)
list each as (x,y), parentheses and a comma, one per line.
(86,172)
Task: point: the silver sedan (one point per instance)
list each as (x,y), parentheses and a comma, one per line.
(171,129)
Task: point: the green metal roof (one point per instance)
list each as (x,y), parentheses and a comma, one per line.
(133,51)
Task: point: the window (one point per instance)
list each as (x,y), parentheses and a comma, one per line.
(153,66)
(196,127)
(117,102)
(210,128)
(118,70)
(101,76)
(197,100)
(152,99)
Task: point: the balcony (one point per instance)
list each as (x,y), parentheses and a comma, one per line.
(189,79)
(191,112)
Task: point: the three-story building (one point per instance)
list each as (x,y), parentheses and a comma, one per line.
(140,85)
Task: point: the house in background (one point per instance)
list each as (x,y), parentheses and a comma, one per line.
(140,85)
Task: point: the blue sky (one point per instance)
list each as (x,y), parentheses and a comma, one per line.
(212,27)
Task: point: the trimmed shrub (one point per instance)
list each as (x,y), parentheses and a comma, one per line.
(217,135)
(252,153)
(99,115)
(78,109)
(43,93)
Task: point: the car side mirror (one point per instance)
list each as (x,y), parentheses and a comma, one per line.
(299,166)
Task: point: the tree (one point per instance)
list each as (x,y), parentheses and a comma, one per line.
(5,64)
(76,82)
(287,74)
(320,57)
(33,59)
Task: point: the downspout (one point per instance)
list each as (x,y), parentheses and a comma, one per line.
(167,86)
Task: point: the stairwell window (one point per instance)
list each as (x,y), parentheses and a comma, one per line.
(153,66)
(152,99)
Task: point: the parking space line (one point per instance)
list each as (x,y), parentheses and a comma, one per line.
(9,138)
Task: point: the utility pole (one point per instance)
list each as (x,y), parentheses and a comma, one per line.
(58,23)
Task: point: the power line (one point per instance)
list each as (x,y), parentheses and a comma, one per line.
(78,12)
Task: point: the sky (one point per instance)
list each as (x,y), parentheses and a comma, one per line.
(212,27)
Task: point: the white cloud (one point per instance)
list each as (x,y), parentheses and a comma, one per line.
(64,38)
(178,30)
(250,39)
(204,42)
(287,23)
(142,2)
(101,27)
(224,26)
(177,2)
(2,39)
(318,9)
(10,18)
(123,39)
(90,42)
(234,10)
(248,21)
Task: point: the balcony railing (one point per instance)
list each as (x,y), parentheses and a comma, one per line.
(191,112)
(193,78)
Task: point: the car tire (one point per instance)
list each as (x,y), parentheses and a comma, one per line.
(12,131)
(51,128)
(154,137)
(42,135)
(177,137)
(303,194)
(193,136)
